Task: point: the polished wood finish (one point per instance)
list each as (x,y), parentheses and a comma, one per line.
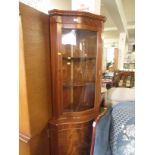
(24,148)
(71,129)
(37,145)
(24,138)
(35,82)
(56,58)
(71,139)
(23,106)
(72,14)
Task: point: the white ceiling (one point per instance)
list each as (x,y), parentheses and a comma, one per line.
(129,10)
(120,18)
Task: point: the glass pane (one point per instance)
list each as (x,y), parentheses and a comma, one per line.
(79,49)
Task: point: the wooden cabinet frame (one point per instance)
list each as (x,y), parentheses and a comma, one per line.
(78,123)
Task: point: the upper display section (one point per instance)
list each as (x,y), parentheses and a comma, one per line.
(76,52)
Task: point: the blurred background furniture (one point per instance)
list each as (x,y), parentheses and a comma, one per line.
(124,79)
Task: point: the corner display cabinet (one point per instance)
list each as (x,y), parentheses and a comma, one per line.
(76,52)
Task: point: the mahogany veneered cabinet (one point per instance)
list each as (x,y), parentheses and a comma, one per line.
(76,52)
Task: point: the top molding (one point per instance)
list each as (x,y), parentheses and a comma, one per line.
(76,13)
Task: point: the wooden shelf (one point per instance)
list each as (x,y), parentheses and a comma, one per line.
(77,84)
(77,107)
(77,58)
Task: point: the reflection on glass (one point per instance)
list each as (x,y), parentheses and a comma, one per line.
(79,49)
(69,38)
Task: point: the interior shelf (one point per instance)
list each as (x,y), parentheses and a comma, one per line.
(77,57)
(77,84)
(78,107)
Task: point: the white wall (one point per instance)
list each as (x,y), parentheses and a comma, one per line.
(61,4)
(92,6)
(46,5)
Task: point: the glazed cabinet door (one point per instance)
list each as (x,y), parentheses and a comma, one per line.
(78,50)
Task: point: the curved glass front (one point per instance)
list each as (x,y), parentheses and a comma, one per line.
(79,48)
